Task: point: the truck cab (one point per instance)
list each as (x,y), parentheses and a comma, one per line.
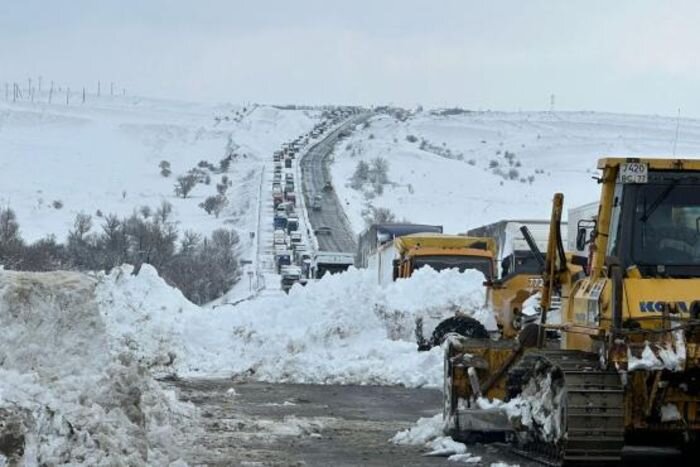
(441,251)
(290,275)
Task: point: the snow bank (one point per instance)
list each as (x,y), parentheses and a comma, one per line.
(64,396)
(342,329)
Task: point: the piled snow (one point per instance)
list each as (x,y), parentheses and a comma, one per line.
(547,152)
(445,446)
(670,413)
(536,411)
(425,430)
(64,394)
(341,329)
(671,356)
(428,432)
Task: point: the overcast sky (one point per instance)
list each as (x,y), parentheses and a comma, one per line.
(628,56)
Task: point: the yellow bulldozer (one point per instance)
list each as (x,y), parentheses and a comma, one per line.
(623,378)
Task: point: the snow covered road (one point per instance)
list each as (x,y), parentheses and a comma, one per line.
(315,175)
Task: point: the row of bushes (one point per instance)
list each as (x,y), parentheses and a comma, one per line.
(203,268)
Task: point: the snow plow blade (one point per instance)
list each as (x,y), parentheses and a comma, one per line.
(482,421)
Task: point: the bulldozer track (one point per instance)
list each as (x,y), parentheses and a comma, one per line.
(592,410)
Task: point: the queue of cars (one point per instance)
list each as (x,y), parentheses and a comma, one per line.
(292,257)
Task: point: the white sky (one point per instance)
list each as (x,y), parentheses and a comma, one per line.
(628,56)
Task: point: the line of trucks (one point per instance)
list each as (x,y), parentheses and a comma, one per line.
(293,260)
(617,377)
(287,240)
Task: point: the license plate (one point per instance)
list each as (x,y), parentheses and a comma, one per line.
(633,172)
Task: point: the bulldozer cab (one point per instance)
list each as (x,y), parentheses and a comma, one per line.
(655,221)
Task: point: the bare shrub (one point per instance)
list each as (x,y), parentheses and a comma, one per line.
(184,185)
(214,204)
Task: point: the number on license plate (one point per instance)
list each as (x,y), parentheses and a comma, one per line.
(633,172)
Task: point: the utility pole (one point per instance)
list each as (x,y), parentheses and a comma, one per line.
(39,84)
(98,88)
(51,92)
(678,127)
(111,88)
(29,87)
(67,96)
(83,94)
(7,91)
(551,103)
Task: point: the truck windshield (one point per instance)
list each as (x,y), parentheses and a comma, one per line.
(667,223)
(440,262)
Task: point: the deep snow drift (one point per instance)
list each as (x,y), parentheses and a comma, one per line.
(66,395)
(341,329)
(79,352)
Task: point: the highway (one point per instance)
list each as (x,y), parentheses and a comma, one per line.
(315,174)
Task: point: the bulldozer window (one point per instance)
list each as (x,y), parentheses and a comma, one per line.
(667,225)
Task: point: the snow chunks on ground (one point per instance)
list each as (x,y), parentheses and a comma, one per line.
(66,394)
(343,329)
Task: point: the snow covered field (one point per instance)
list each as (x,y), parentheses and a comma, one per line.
(469,169)
(104,156)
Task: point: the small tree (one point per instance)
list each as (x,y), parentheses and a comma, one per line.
(145,211)
(224,164)
(222,187)
(379,170)
(360,176)
(184,185)
(165,170)
(214,204)
(11,243)
(164,211)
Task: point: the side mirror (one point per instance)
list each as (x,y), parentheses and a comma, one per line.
(581,239)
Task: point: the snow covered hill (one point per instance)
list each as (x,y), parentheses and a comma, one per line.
(58,160)
(466,169)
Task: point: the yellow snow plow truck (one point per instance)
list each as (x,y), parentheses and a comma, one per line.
(623,380)
(440,251)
